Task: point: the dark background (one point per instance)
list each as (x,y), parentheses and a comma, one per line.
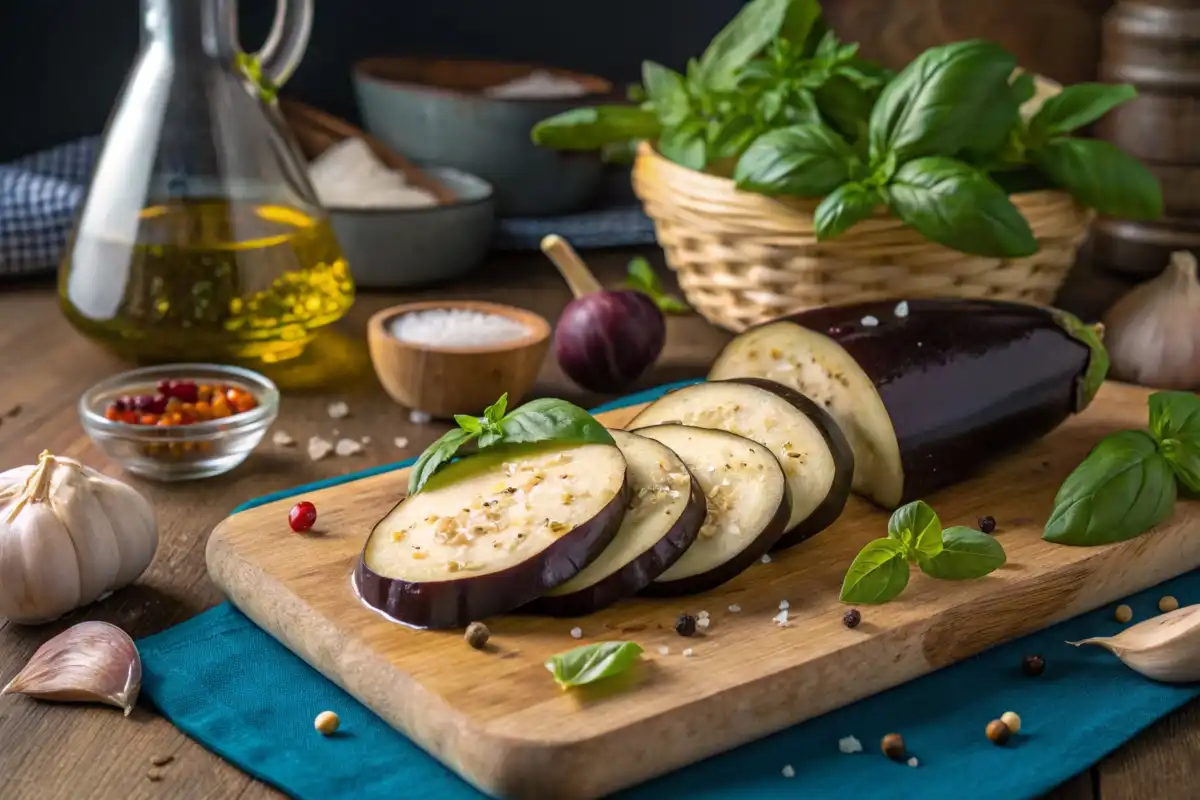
(62,62)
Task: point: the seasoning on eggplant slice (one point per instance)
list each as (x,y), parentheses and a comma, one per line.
(928,391)
(814,453)
(492,532)
(666,510)
(748,507)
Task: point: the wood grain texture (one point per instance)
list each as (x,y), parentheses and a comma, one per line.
(502,724)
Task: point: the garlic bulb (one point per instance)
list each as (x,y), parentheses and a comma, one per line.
(1153,333)
(68,536)
(92,662)
(1165,648)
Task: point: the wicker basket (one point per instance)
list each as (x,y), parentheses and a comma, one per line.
(743,258)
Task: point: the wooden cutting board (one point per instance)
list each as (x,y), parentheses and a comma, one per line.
(499,720)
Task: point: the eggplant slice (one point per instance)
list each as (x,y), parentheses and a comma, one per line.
(492,532)
(666,510)
(927,391)
(815,455)
(747,506)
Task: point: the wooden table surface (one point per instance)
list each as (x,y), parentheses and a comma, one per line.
(52,751)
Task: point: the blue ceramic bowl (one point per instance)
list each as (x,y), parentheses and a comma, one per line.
(393,248)
(434,111)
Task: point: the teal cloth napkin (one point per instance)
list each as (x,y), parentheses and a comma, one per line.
(241,694)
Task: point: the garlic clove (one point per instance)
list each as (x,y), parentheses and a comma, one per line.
(1164,648)
(92,662)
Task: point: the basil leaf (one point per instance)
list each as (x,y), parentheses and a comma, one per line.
(742,39)
(1123,488)
(878,574)
(1101,176)
(1175,424)
(729,137)
(591,662)
(495,412)
(963,554)
(1184,460)
(936,103)
(593,127)
(436,456)
(667,89)
(469,423)
(801,21)
(917,527)
(846,106)
(958,206)
(684,146)
(1024,88)
(804,161)
(549,418)
(1079,105)
(642,276)
(998,117)
(844,207)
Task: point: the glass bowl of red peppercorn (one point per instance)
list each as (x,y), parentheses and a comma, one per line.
(180,421)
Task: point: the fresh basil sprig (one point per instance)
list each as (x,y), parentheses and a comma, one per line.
(542,420)
(880,571)
(1175,425)
(642,278)
(592,662)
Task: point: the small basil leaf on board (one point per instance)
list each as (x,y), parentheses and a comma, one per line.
(549,418)
(917,527)
(667,89)
(843,208)
(592,662)
(642,276)
(592,128)
(1122,489)
(803,161)
(1175,415)
(1102,176)
(685,146)
(963,554)
(933,107)
(742,39)
(1079,105)
(436,456)
(495,412)
(958,206)
(878,574)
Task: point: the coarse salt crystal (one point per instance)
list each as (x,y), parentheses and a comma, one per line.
(869,322)
(576,633)
(662,651)
(456,327)
(781,619)
(901,309)
(336,432)
(365,440)
(702,614)
(766,559)
(687,653)
(784,605)
(401,442)
(282,439)
(912,762)
(788,771)
(347,447)
(849,744)
(338,410)
(702,623)
(419,417)
(735,608)
(318,448)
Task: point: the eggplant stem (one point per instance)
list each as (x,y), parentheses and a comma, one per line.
(578,277)
(1098,329)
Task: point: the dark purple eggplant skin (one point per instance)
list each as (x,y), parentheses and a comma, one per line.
(637,574)
(458,603)
(605,341)
(831,507)
(963,381)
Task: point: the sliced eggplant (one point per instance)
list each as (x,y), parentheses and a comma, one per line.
(747,506)
(815,455)
(666,510)
(927,391)
(493,531)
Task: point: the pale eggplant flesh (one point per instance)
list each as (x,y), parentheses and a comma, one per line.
(928,391)
(666,510)
(808,443)
(492,532)
(747,507)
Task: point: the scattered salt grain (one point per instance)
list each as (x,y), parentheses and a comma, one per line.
(784,605)
(702,623)
(456,327)
(766,559)
(318,448)
(539,84)
(400,442)
(350,175)
(282,439)
(338,410)
(687,652)
(419,417)
(781,619)
(702,614)
(912,762)
(849,744)
(901,309)
(576,633)
(788,771)
(347,447)
(735,608)
(336,432)
(664,650)
(365,440)
(869,322)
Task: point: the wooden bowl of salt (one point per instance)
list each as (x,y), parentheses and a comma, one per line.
(447,357)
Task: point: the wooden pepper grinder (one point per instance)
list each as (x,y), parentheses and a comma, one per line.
(1154,45)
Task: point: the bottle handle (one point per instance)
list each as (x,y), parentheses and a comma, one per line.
(285,44)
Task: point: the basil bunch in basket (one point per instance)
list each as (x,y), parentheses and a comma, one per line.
(778,103)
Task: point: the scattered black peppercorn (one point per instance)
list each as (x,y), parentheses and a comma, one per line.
(851,618)
(1033,665)
(685,625)
(987,524)
(893,747)
(477,635)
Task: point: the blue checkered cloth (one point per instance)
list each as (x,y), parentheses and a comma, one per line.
(40,193)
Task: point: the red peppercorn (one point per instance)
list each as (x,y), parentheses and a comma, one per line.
(302,516)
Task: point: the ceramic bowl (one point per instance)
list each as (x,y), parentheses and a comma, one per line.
(435,111)
(444,381)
